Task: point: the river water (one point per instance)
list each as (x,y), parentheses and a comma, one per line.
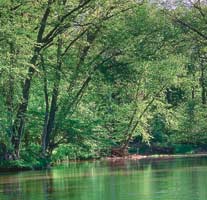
(169,179)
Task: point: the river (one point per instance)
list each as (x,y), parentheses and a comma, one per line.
(167,179)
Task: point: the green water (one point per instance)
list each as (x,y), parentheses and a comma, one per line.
(177,179)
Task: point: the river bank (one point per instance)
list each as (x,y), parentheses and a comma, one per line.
(164,156)
(16,167)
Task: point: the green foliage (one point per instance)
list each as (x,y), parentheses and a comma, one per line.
(78,78)
(158,129)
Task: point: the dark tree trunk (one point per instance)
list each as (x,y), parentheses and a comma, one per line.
(18,125)
(193,93)
(203,85)
(10,92)
(44,132)
(50,115)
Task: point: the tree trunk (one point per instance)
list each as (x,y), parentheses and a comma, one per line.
(129,134)
(50,115)
(18,125)
(203,86)
(19,122)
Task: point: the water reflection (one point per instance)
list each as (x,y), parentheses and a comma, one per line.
(145,180)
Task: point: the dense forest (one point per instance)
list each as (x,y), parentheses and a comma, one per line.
(93,78)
